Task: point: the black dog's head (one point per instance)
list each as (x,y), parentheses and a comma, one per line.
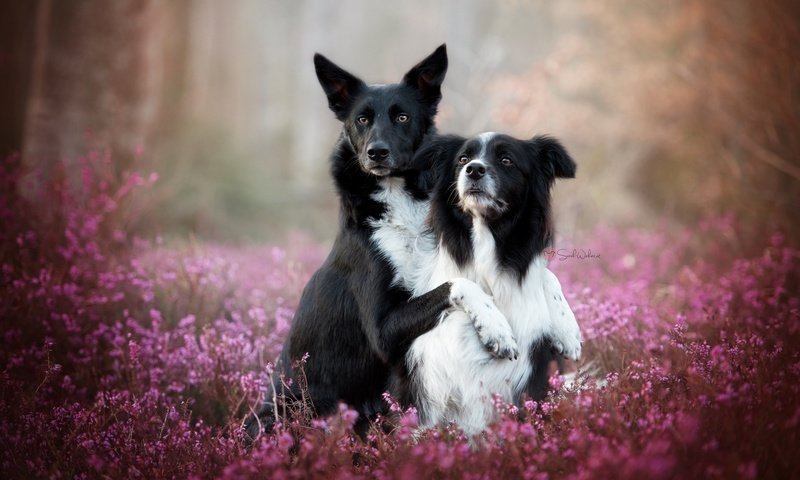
(385,123)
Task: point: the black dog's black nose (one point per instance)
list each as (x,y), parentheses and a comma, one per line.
(476,171)
(377,151)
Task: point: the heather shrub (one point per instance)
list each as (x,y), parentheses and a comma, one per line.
(125,357)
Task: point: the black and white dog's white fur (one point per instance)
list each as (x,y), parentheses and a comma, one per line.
(356,318)
(490,222)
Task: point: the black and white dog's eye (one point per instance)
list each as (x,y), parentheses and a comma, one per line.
(462,160)
(363,119)
(402,118)
(506,161)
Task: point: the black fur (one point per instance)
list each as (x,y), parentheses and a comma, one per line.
(356,326)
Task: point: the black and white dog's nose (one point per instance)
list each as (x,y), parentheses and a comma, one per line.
(475,170)
(377,151)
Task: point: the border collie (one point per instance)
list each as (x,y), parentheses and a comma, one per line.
(490,222)
(356,320)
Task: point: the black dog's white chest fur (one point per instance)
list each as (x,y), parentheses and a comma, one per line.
(399,233)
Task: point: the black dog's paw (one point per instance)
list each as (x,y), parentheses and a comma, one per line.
(259,424)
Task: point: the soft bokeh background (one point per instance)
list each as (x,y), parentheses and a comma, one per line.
(122,355)
(674,110)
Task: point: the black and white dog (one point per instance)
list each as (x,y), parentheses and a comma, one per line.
(490,222)
(356,319)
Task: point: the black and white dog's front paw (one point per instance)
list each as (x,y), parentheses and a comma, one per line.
(565,333)
(569,343)
(491,325)
(497,337)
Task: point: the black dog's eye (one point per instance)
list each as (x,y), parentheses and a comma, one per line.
(402,118)
(363,119)
(506,161)
(462,160)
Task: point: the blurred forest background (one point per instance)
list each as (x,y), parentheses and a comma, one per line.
(674,110)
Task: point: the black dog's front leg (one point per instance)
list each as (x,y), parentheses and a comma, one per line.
(392,325)
(404,321)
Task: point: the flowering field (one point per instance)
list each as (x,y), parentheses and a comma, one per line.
(126,358)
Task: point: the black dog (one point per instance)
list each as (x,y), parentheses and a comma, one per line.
(355,320)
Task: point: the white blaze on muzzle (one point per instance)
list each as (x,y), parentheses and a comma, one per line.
(477,190)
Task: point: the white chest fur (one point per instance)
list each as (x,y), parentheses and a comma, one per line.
(455,375)
(398,234)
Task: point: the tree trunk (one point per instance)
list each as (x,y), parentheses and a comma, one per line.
(96,82)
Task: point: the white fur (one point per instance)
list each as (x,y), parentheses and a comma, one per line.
(454,374)
(402,237)
(399,232)
(485,138)
(478,205)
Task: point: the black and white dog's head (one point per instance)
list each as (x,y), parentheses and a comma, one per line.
(495,173)
(504,183)
(385,124)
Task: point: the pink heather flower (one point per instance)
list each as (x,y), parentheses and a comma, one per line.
(285,441)
(394,406)
(530,405)
(133,350)
(187,321)
(556,382)
(320,423)
(100,342)
(410,418)
(349,416)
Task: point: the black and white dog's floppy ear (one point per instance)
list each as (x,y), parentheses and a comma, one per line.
(427,77)
(553,155)
(340,87)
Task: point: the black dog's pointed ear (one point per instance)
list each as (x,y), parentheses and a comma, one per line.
(427,76)
(550,151)
(340,87)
